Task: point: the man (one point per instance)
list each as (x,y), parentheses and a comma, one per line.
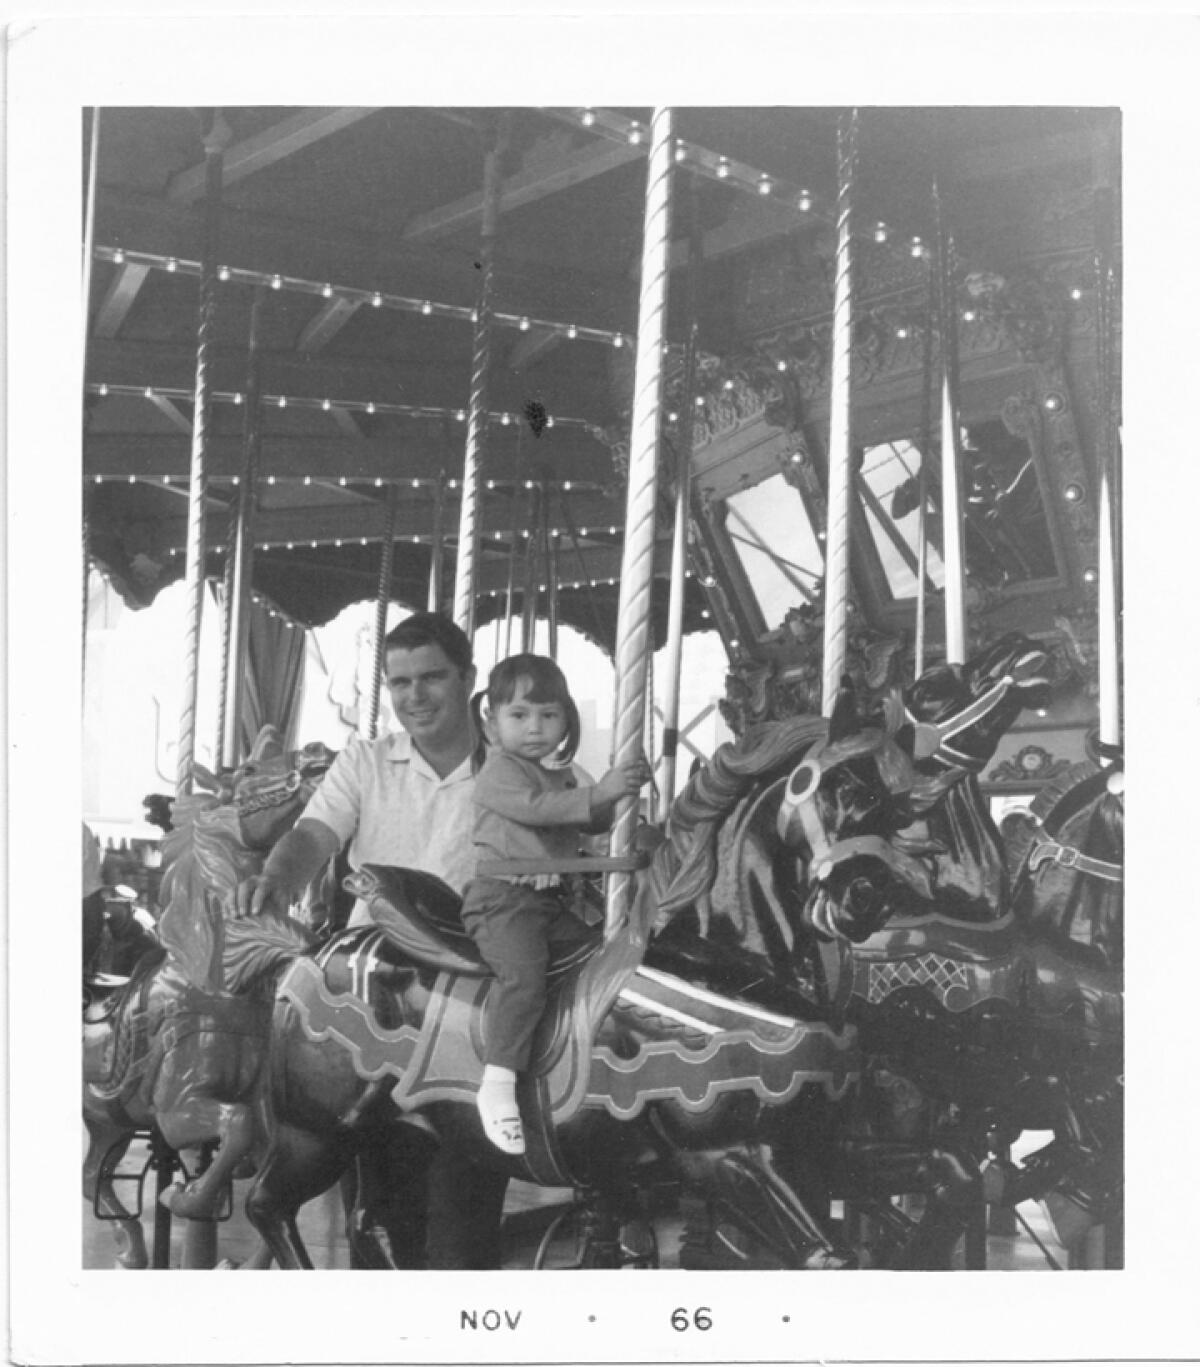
(405,800)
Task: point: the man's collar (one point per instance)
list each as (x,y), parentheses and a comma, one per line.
(401,750)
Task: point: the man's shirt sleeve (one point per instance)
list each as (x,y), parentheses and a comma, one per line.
(337,801)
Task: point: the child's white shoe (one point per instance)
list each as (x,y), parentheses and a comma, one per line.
(497,1104)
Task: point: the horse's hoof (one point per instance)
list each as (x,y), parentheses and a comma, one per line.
(180,1200)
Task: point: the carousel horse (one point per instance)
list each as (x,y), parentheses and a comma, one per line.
(701,1052)
(1068,897)
(180,1045)
(940,988)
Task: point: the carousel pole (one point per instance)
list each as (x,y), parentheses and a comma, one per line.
(1108,542)
(382,598)
(240,561)
(952,532)
(436,554)
(529,603)
(466,571)
(551,597)
(89,229)
(510,588)
(89,237)
(924,442)
(633,641)
(679,537)
(215,142)
(837,541)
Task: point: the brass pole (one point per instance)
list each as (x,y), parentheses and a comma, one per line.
(837,530)
(633,638)
(215,142)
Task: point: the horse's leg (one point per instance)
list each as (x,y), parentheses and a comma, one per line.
(233,1124)
(386,1213)
(107,1145)
(299,1166)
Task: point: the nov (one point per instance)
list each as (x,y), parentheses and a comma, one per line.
(490,1319)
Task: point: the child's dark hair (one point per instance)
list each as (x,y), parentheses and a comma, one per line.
(546,683)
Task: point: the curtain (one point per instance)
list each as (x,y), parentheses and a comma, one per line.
(273,671)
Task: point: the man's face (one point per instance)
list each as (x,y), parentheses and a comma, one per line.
(430,696)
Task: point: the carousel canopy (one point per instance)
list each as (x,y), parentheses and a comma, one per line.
(357,231)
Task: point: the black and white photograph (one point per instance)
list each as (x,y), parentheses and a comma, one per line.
(592,580)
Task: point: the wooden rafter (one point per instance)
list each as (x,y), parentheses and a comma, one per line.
(243,159)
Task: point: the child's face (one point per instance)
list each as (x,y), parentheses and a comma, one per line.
(532,730)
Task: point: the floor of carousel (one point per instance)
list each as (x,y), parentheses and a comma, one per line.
(528,1212)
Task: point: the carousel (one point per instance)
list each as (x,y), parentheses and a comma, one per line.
(836,389)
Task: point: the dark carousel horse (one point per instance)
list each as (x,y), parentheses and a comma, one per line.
(706,1052)
(178,1049)
(1068,898)
(941,988)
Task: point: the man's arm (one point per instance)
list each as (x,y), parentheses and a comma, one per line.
(290,866)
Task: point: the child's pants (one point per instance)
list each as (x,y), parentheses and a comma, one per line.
(514,926)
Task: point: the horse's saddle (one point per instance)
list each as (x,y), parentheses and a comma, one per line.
(423,917)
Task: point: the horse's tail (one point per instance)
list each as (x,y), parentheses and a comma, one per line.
(259,946)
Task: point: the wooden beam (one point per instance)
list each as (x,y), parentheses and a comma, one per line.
(168,409)
(241,160)
(119,299)
(328,322)
(264,149)
(549,176)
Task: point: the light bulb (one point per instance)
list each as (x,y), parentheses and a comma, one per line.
(588,117)
(723,168)
(376,299)
(426,308)
(804,203)
(524,325)
(681,151)
(277,282)
(572,332)
(327,291)
(764,185)
(635,132)
(881,232)
(223,273)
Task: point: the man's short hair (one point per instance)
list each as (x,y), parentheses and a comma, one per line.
(432,629)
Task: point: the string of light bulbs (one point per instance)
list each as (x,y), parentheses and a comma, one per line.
(429,308)
(715,166)
(105,390)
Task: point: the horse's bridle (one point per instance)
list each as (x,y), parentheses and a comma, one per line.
(799,801)
(931,736)
(273,795)
(1069,805)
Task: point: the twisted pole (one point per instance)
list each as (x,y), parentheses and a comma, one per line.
(239,563)
(837,527)
(679,537)
(434,601)
(466,570)
(382,598)
(633,643)
(952,531)
(1109,542)
(215,142)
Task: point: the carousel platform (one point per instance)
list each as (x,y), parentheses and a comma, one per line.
(529,1212)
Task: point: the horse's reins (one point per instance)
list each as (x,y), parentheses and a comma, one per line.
(273,796)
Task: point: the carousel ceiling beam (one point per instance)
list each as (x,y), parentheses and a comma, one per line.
(118,299)
(418,455)
(359,515)
(168,409)
(547,173)
(122,361)
(264,149)
(330,319)
(243,159)
(346,423)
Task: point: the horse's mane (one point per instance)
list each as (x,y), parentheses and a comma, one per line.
(685,865)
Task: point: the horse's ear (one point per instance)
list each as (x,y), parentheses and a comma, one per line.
(267,744)
(844,721)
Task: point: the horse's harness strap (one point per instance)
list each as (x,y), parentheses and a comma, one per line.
(973,712)
(907,866)
(1070,858)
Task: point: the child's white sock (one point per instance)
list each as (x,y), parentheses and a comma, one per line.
(497,1103)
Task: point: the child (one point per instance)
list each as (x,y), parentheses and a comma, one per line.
(529,805)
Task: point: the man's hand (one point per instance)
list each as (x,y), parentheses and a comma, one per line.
(258,893)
